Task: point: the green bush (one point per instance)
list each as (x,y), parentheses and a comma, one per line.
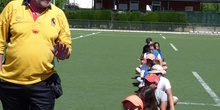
(164,17)
(121,16)
(150,17)
(127,16)
(180,17)
(71,14)
(105,15)
(1,9)
(135,16)
(89,14)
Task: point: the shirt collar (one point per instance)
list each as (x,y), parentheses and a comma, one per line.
(26,2)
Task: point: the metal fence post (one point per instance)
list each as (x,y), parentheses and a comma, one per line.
(172,27)
(109,24)
(88,24)
(151,26)
(129,25)
(193,27)
(214,27)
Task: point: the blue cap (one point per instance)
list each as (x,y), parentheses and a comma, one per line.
(155,53)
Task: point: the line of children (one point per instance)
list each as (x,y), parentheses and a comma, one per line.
(152,70)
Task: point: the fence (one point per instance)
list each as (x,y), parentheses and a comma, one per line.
(203,17)
(145,26)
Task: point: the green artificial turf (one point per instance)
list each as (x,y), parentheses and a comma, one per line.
(100,72)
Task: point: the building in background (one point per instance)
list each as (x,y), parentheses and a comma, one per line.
(151,5)
(86,4)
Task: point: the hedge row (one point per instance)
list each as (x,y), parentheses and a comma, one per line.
(152,16)
(125,15)
(89,14)
(1,8)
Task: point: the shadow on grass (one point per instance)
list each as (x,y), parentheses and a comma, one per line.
(135,84)
(134,77)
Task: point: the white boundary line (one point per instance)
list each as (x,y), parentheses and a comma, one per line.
(189,103)
(85,36)
(116,30)
(173,47)
(163,37)
(207,88)
(143,31)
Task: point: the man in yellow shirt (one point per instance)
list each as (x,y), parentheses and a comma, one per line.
(31,28)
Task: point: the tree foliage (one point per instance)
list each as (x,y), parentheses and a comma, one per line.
(3,3)
(211,7)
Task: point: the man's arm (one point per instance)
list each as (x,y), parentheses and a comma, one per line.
(63,45)
(170,98)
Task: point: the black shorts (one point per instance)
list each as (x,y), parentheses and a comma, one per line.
(39,96)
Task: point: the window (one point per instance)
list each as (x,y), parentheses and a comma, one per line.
(134,1)
(156,5)
(123,6)
(98,1)
(134,5)
(98,4)
(188,8)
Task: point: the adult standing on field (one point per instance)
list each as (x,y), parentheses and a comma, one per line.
(145,48)
(31,28)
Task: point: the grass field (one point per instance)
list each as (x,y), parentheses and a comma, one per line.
(100,72)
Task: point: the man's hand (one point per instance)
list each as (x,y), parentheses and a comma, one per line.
(61,51)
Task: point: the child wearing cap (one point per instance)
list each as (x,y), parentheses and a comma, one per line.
(145,48)
(164,85)
(132,102)
(153,80)
(145,67)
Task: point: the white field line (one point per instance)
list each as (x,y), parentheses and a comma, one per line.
(173,47)
(189,103)
(85,35)
(163,37)
(207,88)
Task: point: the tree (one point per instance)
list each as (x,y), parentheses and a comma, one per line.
(3,3)
(213,7)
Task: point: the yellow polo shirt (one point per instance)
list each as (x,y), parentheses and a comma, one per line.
(28,55)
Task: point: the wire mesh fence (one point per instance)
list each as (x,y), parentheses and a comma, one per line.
(145,26)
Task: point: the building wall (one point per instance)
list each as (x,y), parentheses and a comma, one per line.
(180,6)
(108,4)
(175,6)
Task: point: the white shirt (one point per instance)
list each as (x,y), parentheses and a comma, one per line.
(158,56)
(160,96)
(163,84)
